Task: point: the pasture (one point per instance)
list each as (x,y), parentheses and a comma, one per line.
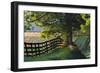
(58,53)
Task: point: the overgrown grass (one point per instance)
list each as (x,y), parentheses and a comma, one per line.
(57,54)
(65,53)
(83,43)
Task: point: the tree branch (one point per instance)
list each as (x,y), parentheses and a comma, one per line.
(40,17)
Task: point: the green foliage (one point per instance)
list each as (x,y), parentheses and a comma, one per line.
(57,24)
(85,28)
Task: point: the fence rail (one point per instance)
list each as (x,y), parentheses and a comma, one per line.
(37,49)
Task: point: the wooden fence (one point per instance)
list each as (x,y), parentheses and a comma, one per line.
(37,49)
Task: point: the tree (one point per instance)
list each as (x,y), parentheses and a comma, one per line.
(56,24)
(73,22)
(86,27)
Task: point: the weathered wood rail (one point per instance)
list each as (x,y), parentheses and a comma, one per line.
(37,49)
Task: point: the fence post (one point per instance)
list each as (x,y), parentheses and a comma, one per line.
(38,49)
(26,49)
(31,50)
(46,47)
(35,49)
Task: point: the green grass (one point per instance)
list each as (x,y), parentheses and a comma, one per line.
(83,44)
(65,53)
(57,54)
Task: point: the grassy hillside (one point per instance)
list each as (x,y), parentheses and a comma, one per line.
(65,53)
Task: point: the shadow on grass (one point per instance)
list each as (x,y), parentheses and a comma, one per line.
(58,54)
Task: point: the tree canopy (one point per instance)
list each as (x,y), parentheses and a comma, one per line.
(57,24)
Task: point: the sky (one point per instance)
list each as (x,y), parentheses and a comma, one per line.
(35,28)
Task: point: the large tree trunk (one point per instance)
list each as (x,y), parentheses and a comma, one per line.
(69,28)
(69,40)
(69,36)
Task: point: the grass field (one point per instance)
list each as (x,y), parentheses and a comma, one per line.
(83,43)
(59,53)
(34,37)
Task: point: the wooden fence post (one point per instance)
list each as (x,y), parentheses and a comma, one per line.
(38,49)
(35,49)
(31,50)
(46,47)
(26,49)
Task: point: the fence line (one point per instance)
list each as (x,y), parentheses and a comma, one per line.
(37,49)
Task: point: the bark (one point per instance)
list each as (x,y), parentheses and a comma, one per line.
(68,19)
(69,40)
